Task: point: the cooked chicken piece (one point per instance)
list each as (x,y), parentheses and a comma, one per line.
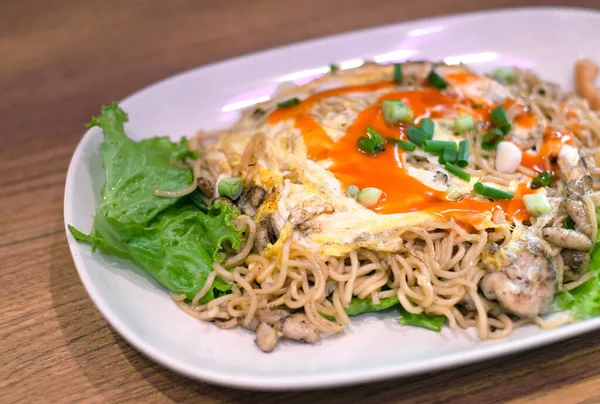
(577,211)
(574,168)
(524,287)
(298,327)
(252,325)
(206,186)
(571,162)
(577,188)
(266,337)
(265,234)
(251,199)
(274,317)
(522,278)
(566,238)
(575,260)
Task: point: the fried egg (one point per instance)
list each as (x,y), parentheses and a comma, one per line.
(305,156)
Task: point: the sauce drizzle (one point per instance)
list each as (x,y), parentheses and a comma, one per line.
(402,192)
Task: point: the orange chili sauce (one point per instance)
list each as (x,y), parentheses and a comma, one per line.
(545,159)
(402,192)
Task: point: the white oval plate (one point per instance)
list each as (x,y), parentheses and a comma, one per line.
(548,40)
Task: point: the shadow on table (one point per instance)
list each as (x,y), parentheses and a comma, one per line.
(117,371)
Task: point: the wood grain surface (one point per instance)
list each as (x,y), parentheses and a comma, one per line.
(61,60)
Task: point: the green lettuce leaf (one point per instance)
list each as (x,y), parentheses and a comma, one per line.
(583,301)
(562,301)
(176,240)
(179,247)
(431,322)
(358,306)
(586,298)
(428,321)
(134,170)
(178,151)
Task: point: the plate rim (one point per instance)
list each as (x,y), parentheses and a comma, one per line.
(330,380)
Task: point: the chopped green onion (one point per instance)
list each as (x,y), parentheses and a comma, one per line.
(569,223)
(449,155)
(427,126)
(505,74)
(438,146)
(545,179)
(463,154)
(398,73)
(373,134)
(492,192)
(352,191)
(463,124)
(288,103)
(402,144)
(230,187)
(537,204)
(369,196)
(490,140)
(396,112)
(460,173)
(416,135)
(333,68)
(368,145)
(500,120)
(372,144)
(436,80)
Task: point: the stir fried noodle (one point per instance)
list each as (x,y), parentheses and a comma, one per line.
(440,268)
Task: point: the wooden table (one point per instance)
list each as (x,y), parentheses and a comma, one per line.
(59,61)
